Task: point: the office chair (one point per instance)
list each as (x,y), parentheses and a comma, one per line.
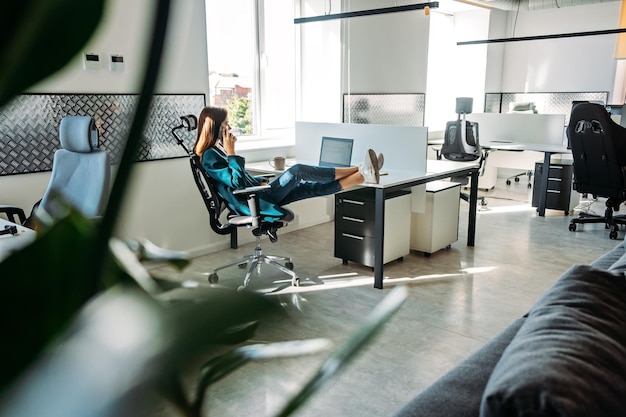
(461,143)
(80,176)
(599,152)
(218,209)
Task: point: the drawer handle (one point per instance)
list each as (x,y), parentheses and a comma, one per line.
(352,236)
(554,191)
(360,203)
(352,219)
(554,179)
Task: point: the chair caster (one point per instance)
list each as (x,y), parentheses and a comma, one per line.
(572,227)
(612,235)
(213,278)
(289,265)
(242,265)
(295,282)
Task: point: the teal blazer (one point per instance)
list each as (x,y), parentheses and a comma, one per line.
(229,174)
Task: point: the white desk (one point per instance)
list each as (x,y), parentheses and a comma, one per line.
(11,243)
(547,149)
(398,179)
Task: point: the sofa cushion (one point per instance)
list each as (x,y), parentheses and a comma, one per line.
(609,259)
(569,356)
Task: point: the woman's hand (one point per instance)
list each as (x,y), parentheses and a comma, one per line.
(228,141)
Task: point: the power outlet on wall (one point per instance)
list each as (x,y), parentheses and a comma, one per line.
(117,62)
(92,61)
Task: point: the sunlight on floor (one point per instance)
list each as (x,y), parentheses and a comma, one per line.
(507,209)
(350,280)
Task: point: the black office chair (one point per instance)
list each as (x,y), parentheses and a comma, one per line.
(461,143)
(218,210)
(599,152)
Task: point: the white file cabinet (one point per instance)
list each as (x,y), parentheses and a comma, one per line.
(437,226)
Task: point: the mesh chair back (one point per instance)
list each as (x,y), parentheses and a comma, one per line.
(599,152)
(460,142)
(214,203)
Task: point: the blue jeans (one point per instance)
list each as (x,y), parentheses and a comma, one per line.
(300,182)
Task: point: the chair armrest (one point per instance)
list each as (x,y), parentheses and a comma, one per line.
(14,214)
(253,190)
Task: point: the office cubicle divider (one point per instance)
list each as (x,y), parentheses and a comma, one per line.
(404,147)
(522,128)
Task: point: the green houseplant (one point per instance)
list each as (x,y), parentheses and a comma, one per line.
(86,334)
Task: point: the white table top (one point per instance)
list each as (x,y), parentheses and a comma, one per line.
(11,243)
(393,176)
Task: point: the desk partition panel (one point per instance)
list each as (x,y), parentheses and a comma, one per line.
(404,147)
(523,128)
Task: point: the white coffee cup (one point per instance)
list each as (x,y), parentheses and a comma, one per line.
(278,163)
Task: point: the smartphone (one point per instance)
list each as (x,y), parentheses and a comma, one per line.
(220,135)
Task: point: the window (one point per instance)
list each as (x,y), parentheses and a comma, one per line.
(252,63)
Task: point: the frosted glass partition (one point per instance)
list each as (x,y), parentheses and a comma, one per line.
(516,127)
(384,109)
(404,147)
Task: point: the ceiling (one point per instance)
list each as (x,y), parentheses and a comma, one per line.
(530,4)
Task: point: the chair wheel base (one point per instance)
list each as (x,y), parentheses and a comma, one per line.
(213,278)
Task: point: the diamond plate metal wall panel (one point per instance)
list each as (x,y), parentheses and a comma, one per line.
(546,103)
(384,109)
(29,126)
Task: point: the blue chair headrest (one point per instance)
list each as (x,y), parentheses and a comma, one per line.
(78,133)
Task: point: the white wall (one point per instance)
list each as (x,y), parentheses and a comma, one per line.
(570,64)
(385,53)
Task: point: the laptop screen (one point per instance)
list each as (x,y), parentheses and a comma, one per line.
(335,152)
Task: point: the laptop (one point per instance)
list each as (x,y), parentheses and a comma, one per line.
(335,152)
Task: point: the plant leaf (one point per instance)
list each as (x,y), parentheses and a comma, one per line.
(220,366)
(346,352)
(39,37)
(42,287)
(124,341)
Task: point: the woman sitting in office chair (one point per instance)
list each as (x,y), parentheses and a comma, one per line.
(215,145)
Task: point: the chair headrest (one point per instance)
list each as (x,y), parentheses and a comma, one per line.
(78,133)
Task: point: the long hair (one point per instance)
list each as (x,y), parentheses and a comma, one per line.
(211,118)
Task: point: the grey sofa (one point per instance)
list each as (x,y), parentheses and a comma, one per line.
(565,357)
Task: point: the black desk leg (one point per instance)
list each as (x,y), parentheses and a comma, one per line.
(473,207)
(543,192)
(379,236)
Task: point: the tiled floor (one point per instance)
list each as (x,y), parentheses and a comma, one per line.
(458,299)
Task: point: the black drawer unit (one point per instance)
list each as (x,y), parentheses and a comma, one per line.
(559,190)
(354,225)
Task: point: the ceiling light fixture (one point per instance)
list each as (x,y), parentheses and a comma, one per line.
(543,37)
(425,6)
